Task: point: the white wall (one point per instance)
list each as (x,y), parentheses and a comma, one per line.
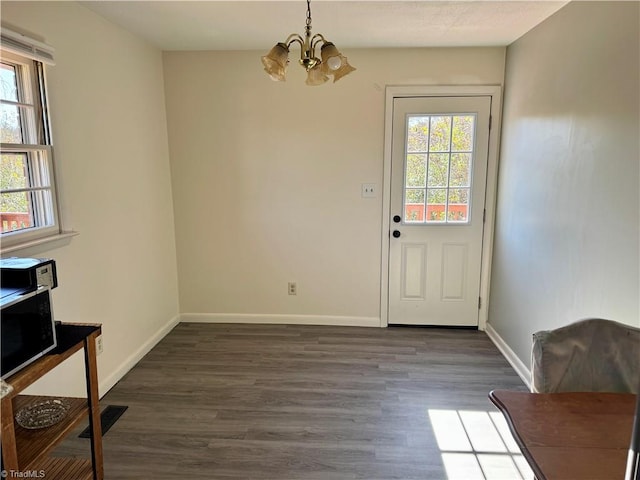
(109,128)
(267,177)
(566,240)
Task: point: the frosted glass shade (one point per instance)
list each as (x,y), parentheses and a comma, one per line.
(275,62)
(344,69)
(331,58)
(316,76)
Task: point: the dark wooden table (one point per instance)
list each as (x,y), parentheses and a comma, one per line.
(26,451)
(570,436)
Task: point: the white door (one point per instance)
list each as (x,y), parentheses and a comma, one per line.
(438,180)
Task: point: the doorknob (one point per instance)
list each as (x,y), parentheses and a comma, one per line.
(396,233)
(397,218)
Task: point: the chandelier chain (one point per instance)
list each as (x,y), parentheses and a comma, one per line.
(308,13)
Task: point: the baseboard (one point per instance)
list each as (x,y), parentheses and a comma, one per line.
(107,383)
(518,365)
(281,319)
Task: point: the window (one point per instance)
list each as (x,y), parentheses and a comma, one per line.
(27,186)
(438,166)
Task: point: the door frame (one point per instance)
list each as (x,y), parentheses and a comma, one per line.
(393,92)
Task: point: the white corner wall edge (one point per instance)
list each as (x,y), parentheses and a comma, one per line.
(521,369)
(285,319)
(107,384)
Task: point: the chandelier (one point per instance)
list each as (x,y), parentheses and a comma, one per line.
(330,63)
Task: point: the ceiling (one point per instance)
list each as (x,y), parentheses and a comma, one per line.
(258,25)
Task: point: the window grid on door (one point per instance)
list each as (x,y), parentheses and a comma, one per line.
(438,166)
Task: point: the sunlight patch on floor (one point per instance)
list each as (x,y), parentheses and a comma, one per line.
(477,445)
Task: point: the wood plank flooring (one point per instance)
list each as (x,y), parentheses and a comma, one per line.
(284,402)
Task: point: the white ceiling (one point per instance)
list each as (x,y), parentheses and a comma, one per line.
(258,25)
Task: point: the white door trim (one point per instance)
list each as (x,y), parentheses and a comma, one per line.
(495,92)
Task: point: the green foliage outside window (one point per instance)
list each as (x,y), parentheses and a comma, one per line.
(438,163)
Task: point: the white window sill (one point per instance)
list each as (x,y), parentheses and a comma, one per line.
(60,237)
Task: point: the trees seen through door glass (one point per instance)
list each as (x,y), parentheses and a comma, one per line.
(438,162)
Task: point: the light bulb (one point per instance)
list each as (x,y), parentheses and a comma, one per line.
(334,63)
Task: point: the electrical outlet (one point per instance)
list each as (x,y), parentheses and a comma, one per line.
(369,190)
(292,288)
(99,345)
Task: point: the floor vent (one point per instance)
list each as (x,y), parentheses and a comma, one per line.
(108,417)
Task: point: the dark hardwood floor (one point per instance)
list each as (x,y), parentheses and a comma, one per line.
(283,402)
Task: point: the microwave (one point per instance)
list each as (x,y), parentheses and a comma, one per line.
(27,328)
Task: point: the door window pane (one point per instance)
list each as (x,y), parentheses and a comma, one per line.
(462,136)
(438,169)
(460,170)
(414,205)
(436,204)
(415,195)
(416,170)
(440,137)
(417,134)
(458,205)
(439,156)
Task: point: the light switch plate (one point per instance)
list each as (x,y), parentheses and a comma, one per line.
(369,190)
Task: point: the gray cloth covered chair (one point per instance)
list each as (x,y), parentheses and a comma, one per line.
(592,355)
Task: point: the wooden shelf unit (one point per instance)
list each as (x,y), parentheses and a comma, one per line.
(26,450)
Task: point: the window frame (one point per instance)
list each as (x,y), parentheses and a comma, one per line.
(447,187)
(38,150)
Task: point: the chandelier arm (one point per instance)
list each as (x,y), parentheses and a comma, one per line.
(294,37)
(299,40)
(316,39)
